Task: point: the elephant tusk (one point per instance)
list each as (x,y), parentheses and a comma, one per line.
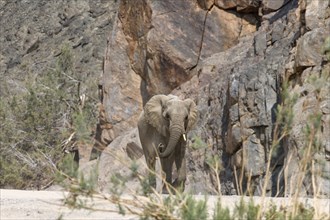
(184,137)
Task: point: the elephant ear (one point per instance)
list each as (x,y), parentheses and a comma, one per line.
(154,113)
(192,115)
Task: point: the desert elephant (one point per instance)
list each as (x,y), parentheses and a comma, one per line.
(163,126)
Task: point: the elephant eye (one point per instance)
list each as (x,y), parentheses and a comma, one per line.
(167,116)
(186,118)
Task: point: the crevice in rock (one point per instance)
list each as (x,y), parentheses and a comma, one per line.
(295,78)
(135,32)
(202,39)
(241,26)
(283,11)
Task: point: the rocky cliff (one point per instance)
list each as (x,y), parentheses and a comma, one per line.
(33,32)
(232,58)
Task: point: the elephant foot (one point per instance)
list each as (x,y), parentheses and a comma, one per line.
(173,188)
(161,147)
(179,185)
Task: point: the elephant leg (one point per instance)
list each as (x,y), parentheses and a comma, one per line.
(151,163)
(167,164)
(180,162)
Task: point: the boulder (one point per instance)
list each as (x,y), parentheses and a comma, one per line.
(237,92)
(254,155)
(247,5)
(116,162)
(310,46)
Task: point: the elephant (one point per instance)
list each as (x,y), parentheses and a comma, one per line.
(163,126)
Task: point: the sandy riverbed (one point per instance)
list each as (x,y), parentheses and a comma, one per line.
(20,204)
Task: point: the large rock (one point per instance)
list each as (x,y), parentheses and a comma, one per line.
(116,162)
(155,47)
(120,86)
(237,92)
(310,46)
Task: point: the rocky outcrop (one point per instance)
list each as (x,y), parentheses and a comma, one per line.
(117,162)
(311,119)
(155,47)
(233,72)
(244,93)
(32,37)
(231,57)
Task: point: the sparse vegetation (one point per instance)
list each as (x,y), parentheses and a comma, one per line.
(39,124)
(173,206)
(154,205)
(52,115)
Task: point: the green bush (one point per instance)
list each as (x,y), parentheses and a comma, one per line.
(194,209)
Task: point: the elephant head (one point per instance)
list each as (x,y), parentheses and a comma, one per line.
(171,117)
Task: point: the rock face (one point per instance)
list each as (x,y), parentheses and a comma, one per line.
(310,129)
(231,57)
(234,73)
(31,40)
(33,33)
(155,47)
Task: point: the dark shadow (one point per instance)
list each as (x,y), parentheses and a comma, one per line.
(293,4)
(144,92)
(227,173)
(278,157)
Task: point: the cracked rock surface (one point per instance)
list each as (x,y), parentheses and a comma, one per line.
(155,47)
(231,57)
(33,32)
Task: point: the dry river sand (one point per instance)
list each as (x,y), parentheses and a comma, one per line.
(19,204)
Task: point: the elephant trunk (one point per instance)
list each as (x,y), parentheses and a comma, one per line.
(176,131)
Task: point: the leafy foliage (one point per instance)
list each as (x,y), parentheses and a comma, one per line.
(194,209)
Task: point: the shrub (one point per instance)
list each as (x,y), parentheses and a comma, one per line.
(38,125)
